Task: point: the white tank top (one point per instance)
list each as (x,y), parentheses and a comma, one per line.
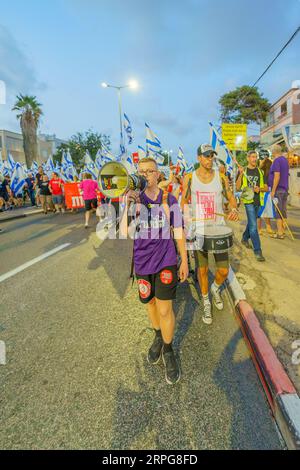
(207,201)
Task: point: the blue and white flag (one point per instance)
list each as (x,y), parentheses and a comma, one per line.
(11,161)
(181,161)
(141,152)
(220,147)
(106,155)
(98,160)
(1,162)
(153,146)
(17,179)
(6,170)
(49,166)
(34,167)
(127,161)
(89,165)
(128,129)
(267,211)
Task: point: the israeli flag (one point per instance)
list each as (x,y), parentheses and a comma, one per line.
(128,129)
(49,166)
(141,152)
(267,210)
(11,161)
(17,179)
(1,162)
(181,161)
(6,170)
(106,155)
(128,163)
(34,167)
(220,147)
(153,146)
(89,165)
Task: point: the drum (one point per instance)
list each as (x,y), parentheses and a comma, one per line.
(215,239)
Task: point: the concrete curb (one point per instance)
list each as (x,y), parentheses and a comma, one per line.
(20,216)
(280,391)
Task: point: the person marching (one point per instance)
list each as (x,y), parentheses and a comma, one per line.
(56,187)
(252,183)
(88,188)
(205,188)
(155,261)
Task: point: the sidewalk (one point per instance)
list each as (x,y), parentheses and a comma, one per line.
(19,212)
(272,288)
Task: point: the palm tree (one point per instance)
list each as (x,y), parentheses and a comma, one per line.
(29,116)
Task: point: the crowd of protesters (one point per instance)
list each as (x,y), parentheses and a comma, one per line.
(39,191)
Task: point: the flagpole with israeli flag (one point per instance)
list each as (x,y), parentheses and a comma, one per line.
(128,129)
(224,153)
(17,179)
(90,165)
(153,146)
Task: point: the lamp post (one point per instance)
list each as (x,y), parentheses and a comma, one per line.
(133,85)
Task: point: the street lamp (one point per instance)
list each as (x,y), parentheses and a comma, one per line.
(133,84)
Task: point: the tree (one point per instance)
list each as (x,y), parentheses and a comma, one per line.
(79,143)
(29,115)
(244,105)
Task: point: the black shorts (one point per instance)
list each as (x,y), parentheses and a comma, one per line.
(161,285)
(90,204)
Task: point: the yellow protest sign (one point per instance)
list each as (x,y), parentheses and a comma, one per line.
(235,136)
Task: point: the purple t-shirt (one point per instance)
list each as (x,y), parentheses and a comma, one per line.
(280,165)
(154,248)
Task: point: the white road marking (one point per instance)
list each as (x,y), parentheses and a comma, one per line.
(33,261)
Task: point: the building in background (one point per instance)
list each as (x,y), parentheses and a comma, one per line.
(12,142)
(282,126)
(283,118)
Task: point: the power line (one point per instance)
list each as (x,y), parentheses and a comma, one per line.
(269,66)
(276,57)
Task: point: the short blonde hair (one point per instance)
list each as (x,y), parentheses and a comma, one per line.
(276,149)
(148,160)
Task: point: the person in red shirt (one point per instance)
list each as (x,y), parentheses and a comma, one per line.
(56,187)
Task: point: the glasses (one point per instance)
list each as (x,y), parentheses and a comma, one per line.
(147,172)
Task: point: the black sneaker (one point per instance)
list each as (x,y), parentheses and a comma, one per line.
(172,370)
(154,353)
(260,257)
(246,244)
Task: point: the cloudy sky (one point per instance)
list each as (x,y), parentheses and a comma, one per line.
(184,53)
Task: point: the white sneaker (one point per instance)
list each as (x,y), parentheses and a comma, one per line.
(217,299)
(207,315)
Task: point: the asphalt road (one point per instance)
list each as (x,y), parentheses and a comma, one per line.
(76,337)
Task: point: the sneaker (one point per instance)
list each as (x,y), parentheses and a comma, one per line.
(154,353)
(246,244)
(260,257)
(207,315)
(172,369)
(86,226)
(217,299)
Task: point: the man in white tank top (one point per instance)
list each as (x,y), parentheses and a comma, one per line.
(204,189)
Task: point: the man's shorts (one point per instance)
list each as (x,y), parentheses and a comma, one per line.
(58,199)
(161,285)
(91,204)
(282,204)
(221,259)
